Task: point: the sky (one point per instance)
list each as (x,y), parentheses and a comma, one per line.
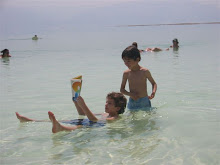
(17,15)
(87,3)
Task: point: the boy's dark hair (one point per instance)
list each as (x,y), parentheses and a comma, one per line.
(135,44)
(131,52)
(119,99)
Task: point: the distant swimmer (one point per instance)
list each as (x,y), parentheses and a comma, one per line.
(147,49)
(175,45)
(153,50)
(5,53)
(35,37)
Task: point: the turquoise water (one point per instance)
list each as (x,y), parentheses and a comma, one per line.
(183,128)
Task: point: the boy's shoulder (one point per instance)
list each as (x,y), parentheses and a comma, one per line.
(127,71)
(143,69)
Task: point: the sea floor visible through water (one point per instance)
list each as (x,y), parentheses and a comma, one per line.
(182,128)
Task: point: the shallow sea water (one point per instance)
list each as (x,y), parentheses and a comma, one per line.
(182,128)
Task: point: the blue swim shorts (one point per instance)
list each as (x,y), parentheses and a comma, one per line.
(140,104)
(85,123)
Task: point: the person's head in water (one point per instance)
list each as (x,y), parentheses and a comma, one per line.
(5,53)
(175,43)
(35,37)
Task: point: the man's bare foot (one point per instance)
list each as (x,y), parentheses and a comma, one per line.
(57,127)
(23,118)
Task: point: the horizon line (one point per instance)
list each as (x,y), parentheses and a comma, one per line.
(186,23)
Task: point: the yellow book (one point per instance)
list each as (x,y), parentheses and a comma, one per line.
(76,85)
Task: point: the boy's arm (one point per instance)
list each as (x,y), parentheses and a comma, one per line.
(86,110)
(154,84)
(79,109)
(123,84)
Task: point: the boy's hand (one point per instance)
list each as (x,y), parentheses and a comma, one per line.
(80,101)
(152,95)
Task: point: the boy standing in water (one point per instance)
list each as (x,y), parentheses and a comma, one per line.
(137,77)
